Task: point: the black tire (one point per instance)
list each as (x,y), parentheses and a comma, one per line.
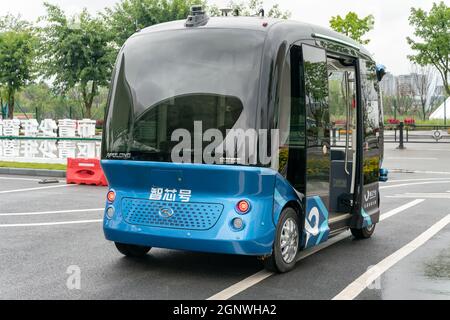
(275,262)
(131,250)
(364,233)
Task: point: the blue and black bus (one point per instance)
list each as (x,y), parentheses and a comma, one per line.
(298,106)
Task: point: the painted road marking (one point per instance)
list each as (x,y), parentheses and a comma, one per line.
(401,158)
(21,179)
(413,184)
(39,188)
(409,180)
(423,195)
(400,209)
(417,171)
(264,274)
(49,212)
(48,223)
(357,286)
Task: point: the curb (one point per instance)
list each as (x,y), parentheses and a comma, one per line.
(34,172)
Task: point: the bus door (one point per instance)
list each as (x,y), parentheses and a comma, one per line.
(366,209)
(313,112)
(344,127)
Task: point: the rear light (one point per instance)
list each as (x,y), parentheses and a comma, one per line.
(243,207)
(111,195)
(237,224)
(110,212)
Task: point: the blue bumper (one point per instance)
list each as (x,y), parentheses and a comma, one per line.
(202,241)
(214,191)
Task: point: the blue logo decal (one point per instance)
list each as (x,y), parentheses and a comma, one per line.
(316,223)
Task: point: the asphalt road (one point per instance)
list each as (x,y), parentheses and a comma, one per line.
(48,230)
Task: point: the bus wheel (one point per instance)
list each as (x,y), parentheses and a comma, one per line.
(285,247)
(131,250)
(363,233)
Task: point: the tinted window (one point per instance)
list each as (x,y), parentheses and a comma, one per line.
(317,122)
(168,80)
(371,117)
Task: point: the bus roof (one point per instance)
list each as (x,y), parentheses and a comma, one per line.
(263,24)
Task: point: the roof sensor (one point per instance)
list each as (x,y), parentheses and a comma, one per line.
(197,17)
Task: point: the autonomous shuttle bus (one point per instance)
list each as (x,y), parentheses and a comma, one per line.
(241,135)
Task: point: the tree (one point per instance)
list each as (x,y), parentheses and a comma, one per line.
(422,80)
(14,23)
(76,54)
(130,16)
(17,55)
(403,98)
(433,44)
(353,26)
(251,8)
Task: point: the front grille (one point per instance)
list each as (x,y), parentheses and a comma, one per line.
(186,215)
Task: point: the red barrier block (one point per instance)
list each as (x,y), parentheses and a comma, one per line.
(85,171)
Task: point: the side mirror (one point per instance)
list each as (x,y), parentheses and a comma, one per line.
(381,71)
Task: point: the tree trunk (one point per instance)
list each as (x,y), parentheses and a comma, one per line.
(88,99)
(11,102)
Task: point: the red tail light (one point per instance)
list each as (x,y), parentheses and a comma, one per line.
(111,196)
(243,206)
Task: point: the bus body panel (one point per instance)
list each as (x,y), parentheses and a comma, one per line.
(222,186)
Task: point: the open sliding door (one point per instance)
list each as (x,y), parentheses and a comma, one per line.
(366,209)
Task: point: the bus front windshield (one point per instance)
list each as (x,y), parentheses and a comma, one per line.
(168,80)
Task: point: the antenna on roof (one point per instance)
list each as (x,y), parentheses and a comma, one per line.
(197,17)
(261,12)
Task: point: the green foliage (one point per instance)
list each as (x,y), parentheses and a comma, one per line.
(353,26)
(76,53)
(130,16)
(29,165)
(251,8)
(17,56)
(14,23)
(42,102)
(432,30)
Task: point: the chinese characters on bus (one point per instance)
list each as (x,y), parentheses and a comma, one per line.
(170,195)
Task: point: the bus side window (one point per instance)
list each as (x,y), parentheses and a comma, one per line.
(371,123)
(294,153)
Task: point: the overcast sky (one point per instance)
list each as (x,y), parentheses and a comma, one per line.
(388,43)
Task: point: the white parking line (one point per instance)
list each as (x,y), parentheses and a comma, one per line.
(263,274)
(357,286)
(400,209)
(402,158)
(49,212)
(410,180)
(423,195)
(39,188)
(417,171)
(48,223)
(21,179)
(413,184)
